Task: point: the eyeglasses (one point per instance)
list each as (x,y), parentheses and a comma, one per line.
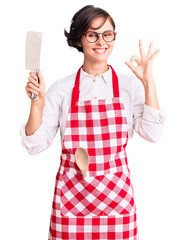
(92,37)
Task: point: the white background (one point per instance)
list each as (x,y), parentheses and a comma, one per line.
(157,169)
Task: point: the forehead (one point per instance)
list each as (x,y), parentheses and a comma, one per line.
(100,24)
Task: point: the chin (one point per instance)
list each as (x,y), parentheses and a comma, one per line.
(101,57)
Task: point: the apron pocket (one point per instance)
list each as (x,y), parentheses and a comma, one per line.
(103,195)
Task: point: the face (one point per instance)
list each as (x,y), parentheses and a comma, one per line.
(100,50)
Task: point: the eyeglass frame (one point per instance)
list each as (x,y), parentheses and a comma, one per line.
(101,34)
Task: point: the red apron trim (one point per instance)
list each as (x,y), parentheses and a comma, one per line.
(75,91)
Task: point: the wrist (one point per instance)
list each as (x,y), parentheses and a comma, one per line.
(150,95)
(149,84)
(38,105)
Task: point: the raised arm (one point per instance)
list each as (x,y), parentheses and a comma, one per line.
(37,104)
(42,125)
(148,119)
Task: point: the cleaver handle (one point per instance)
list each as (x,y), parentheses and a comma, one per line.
(37,80)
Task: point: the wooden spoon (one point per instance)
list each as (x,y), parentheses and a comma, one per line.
(82,160)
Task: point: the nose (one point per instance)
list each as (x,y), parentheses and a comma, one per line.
(100,40)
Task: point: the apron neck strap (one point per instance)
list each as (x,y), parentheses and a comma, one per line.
(76,90)
(115,83)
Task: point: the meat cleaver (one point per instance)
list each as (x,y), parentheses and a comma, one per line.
(32,53)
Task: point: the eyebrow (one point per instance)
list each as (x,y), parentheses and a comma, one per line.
(94,30)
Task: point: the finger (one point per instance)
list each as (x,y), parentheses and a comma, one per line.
(33,87)
(33,75)
(33,81)
(135,59)
(150,50)
(40,76)
(131,66)
(28,94)
(154,54)
(142,51)
(28,89)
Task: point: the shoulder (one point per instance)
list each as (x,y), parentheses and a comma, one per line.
(62,85)
(67,80)
(130,86)
(128,82)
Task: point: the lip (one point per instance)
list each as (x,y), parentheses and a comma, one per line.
(100,51)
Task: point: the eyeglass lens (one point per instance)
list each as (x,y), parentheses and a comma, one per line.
(107,36)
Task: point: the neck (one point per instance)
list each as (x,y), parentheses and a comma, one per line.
(95,69)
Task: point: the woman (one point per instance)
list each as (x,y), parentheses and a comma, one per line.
(96,110)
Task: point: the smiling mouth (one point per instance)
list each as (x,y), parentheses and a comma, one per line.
(100,51)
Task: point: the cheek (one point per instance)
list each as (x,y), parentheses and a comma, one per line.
(86,47)
(111,47)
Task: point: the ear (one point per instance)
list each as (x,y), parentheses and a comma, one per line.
(79,44)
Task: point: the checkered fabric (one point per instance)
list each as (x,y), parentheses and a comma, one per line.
(108,194)
(102,228)
(100,205)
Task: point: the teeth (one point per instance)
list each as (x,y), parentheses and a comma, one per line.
(100,50)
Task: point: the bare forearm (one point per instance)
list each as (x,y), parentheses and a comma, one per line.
(34,120)
(150,94)
(37,104)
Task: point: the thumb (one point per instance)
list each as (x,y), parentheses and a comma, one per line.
(40,76)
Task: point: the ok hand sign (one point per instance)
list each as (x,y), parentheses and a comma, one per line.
(143,70)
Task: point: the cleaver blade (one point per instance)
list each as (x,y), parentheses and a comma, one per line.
(32,53)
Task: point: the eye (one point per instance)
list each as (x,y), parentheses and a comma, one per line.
(92,34)
(108,34)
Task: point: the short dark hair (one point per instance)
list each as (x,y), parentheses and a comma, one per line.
(81,21)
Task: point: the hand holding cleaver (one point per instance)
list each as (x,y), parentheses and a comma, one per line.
(32,54)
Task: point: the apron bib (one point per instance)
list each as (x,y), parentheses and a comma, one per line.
(105,195)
